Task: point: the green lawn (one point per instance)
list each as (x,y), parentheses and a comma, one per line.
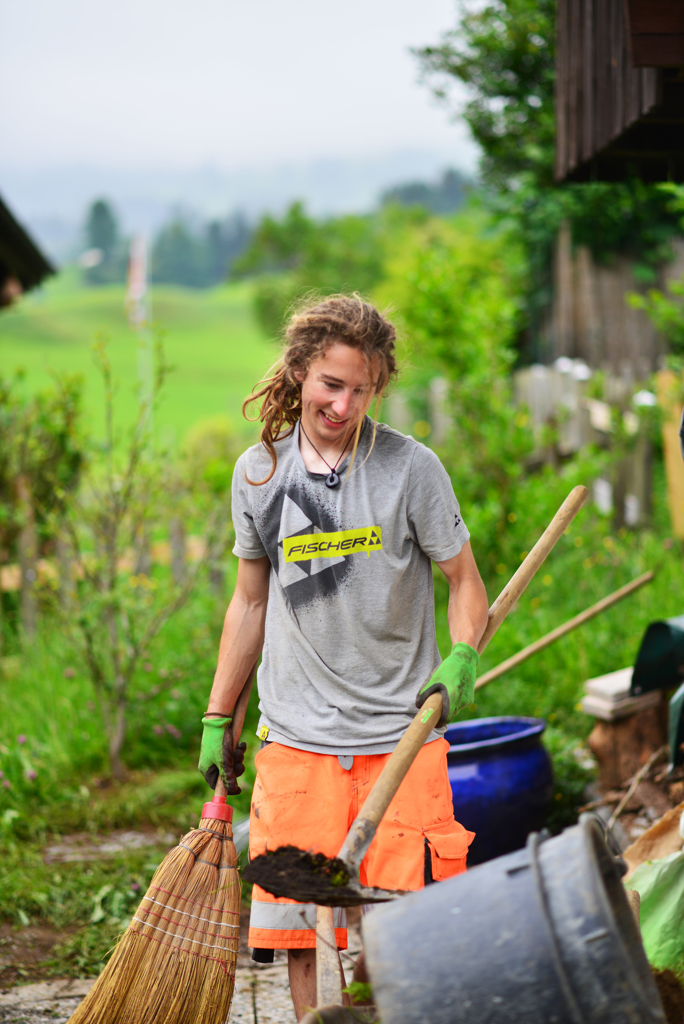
(211,339)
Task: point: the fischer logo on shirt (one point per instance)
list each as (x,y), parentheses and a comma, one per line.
(342,542)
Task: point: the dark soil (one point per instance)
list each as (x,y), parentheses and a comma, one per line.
(25,952)
(671,994)
(308,878)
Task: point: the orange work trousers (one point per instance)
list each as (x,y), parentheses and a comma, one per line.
(310,801)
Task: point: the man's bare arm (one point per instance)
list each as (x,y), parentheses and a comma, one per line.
(468,608)
(243,633)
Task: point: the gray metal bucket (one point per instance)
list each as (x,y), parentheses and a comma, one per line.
(541,936)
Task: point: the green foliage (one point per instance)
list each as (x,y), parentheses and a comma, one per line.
(666,311)
(41,445)
(338,254)
(119,605)
(504,53)
(210,451)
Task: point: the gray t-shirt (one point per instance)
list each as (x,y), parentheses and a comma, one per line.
(350,624)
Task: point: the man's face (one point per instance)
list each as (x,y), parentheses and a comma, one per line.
(336,393)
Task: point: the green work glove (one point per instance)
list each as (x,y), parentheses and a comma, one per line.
(217,756)
(455,680)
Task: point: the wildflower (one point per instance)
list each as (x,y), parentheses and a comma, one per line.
(21,739)
(32,775)
(69,672)
(135,886)
(158,730)
(173,731)
(6,784)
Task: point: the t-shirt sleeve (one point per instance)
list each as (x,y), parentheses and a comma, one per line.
(434,515)
(247,541)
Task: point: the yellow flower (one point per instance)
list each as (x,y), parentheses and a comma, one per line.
(578,542)
(547,580)
(512,517)
(421,428)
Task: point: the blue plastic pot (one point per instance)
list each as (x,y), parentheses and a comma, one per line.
(502,782)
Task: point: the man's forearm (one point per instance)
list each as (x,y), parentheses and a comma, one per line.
(468,611)
(242,637)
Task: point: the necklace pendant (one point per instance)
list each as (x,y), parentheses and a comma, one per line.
(332,480)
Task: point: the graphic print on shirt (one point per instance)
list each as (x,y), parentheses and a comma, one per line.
(306,545)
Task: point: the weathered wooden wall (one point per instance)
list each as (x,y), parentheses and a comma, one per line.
(590,318)
(598,93)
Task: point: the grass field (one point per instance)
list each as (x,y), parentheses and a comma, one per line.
(211,339)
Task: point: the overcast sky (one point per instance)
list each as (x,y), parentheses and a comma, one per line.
(235,83)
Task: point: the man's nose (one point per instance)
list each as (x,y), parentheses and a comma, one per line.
(342,404)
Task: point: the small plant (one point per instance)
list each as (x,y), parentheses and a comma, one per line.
(118,605)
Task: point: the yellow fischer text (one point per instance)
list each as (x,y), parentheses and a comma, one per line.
(326,545)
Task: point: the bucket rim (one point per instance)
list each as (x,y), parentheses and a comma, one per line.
(535,728)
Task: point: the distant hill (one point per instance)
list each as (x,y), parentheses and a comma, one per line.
(52,201)
(444,196)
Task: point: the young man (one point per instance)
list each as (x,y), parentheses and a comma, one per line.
(337,520)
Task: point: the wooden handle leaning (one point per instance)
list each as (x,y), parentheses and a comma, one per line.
(567,627)
(363,829)
(518,583)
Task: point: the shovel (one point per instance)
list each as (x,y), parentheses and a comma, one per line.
(334,881)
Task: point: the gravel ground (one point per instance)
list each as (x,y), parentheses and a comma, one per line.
(261,996)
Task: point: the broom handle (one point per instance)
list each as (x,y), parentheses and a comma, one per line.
(567,627)
(363,829)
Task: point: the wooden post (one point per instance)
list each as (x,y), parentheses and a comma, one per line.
(28,559)
(178,550)
(67,575)
(564,294)
(674,464)
(143,553)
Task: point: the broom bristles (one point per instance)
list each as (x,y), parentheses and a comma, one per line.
(175,963)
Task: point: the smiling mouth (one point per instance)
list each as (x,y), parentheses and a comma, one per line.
(332,420)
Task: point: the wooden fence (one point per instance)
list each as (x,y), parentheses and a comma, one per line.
(589,317)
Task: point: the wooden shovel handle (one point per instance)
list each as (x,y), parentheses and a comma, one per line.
(378,800)
(517,585)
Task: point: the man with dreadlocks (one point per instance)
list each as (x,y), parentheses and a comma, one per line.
(337,520)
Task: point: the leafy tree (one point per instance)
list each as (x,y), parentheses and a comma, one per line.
(458,288)
(178,257)
(102,236)
(101,228)
(198,259)
(297,254)
(504,52)
(41,445)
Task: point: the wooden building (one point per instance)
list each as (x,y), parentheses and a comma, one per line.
(22,265)
(620,90)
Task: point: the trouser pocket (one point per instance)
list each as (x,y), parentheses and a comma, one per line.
(448,845)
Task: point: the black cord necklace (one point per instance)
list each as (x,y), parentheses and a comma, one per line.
(333,479)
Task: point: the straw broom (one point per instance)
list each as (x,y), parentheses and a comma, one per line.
(175,963)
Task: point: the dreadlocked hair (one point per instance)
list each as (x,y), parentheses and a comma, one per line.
(309,333)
